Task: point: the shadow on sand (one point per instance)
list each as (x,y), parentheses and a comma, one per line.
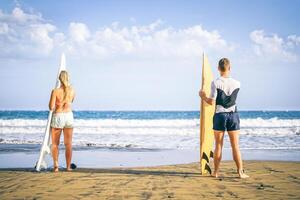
(111,171)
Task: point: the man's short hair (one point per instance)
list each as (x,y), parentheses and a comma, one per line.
(224,64)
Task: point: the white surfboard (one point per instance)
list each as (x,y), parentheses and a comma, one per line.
(46,145)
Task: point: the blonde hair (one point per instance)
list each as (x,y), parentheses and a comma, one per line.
(64,81)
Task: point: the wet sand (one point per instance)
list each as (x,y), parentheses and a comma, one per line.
(269,180)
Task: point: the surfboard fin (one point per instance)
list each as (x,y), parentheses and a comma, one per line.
(47,150)
(205,157)
(211,154)
(44,164)
(207,167)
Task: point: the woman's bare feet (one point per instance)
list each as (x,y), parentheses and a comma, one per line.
(55,166)
(55,169)
(242,174)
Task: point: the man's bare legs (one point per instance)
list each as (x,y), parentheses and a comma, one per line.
(234,141)
(219,136)
(55,136)
(68,132)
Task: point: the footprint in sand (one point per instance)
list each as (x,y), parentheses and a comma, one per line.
(270,169)
(146,195)
(293,177)
(222,187)
(233,194)
(205,185)
(262,186)
(220,194)
(170,195)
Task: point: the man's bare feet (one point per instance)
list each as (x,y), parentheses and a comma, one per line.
(69,169)
(242,174)
(215,174)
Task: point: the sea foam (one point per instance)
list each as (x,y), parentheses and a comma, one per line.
(154,133)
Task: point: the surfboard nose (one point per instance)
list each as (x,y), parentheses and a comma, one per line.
(63,61)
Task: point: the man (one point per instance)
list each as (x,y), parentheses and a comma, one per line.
(224,91)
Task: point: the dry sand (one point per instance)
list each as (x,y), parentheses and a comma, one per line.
(269,180)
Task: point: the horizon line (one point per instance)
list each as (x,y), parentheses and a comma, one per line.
(138,110)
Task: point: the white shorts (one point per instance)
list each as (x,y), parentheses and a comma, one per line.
(62,120)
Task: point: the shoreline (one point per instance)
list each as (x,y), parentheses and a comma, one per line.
(107,169)
(268,180)
(112,158)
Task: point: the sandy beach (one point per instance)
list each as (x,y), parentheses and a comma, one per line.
(269,180)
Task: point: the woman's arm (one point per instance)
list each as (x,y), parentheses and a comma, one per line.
(52,101)
(73,94)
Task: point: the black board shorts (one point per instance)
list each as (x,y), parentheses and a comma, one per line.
(226,121)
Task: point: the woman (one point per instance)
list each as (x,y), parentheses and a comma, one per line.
(62,119)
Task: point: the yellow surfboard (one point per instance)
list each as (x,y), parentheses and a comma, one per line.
(206,120)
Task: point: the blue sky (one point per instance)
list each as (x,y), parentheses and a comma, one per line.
(138,55)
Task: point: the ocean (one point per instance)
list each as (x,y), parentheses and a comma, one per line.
(145,138)
(24,130)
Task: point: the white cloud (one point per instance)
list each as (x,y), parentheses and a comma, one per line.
(79,32)
(29,35)
(273,47)
(293,40)
(4,28)
(25,34)
(153,40)
(19,15)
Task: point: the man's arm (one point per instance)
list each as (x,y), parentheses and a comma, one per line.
(213,94)
(203,96)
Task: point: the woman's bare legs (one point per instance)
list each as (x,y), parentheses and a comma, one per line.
(219,136)
(234,141)
(68,132)
(55,136)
